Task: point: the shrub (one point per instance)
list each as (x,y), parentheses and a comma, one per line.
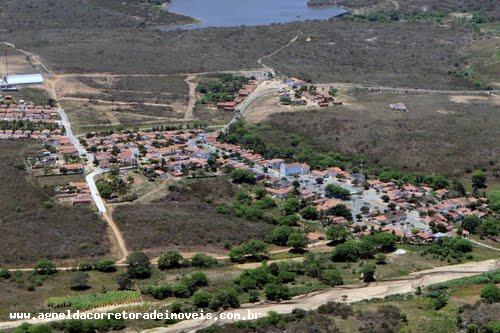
(4,273)
(84,266)
(335,191)
(159,292)
(201,299)
(276,292)
(332,277)
(45,267)
(139,266)
(368,272)
(170,259)
(203,260)
(490,293)
(240,176)
(181,290)
(105,265)
(224,298)
(124,282)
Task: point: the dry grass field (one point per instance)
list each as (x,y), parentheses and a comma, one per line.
(186,219)
(28,230)
(432,136)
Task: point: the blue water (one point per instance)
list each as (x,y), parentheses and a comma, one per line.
(229,13)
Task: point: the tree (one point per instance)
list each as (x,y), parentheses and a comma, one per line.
(332,277)
(202,260)
(368,272)
(105,265)
(347,251)
(224,298)
(478,179)
(335,191)
(170,259)
(340,210)
(337,233)
(490,293)
(84,266)
(385,241)
(240,176)
(490,226)
(201,299)
(310,213)
(279,235)
(139,266)
(181,290)
(276,292)
(297,241)
(471,223)
(458,188)
(45,267)
(79,281)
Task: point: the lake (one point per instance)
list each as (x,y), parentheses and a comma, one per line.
(230,13)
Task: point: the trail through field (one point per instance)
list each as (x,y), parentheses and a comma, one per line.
(260,60)
(192,97)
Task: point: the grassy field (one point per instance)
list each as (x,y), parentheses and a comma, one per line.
(431,136)
(28,231)
(345,51)
(186,219)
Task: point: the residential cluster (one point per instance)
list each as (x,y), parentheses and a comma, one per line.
(11,110)
(158,153)
(297,92)
(75,193)
(243,93)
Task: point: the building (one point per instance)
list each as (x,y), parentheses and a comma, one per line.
(398,107)
(294,169)
(23,79)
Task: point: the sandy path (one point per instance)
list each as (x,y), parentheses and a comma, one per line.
(192,97)
(354,293)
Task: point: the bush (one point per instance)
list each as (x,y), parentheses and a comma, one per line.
(158,292)
(181,290)
(170,259)
(45,267)
(368,272)
(297,241)
(84,266)
(203,260)
(105,265)
(224,298)
(139,266)
(240,176)
(124,282)
(335,191)
(332,277)
(490,293)
(276,292)
(4,273)
(201,299)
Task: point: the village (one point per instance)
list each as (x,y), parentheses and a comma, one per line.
(416,213)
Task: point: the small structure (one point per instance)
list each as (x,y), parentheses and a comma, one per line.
(398,107)
(23,79)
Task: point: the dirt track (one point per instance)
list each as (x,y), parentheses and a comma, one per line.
(354,293)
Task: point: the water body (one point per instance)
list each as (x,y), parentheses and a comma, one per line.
(230,13)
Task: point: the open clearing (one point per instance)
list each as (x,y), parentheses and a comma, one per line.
(186,219)
(28,231)
(430,137)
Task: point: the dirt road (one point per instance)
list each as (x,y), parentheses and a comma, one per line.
(354,293)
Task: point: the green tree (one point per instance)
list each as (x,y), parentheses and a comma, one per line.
(368,270)
(203,260)
(310,213)
(279,235)
(478,179)
(297,241)
(170,259)
(224,298)
(471,223)
(276,292)
(332,277)
(385,241)
(337,233)
(45,267)
(335,191)
(105,265)
(490,293)
(139,266)
(201,299)
(240,176)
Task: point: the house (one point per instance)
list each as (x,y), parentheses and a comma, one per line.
(226,106)
(325,204)
(280,192)
(275,163)
(294,169)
